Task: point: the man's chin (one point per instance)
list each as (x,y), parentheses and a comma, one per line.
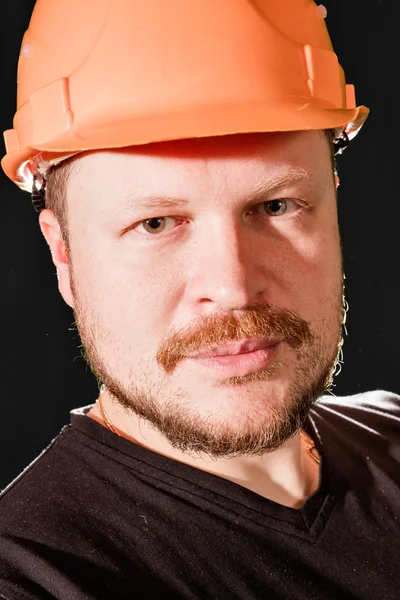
(235,424)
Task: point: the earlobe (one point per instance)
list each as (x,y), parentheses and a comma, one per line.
(337,181)
(51,230)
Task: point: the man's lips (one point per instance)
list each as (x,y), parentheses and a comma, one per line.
(235,347)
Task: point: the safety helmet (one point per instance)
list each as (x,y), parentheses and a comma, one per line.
(97,74)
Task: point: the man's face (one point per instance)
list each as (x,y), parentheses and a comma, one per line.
(243,243)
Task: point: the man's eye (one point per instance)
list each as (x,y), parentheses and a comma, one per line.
(273,208)
(155,225)
(276,208)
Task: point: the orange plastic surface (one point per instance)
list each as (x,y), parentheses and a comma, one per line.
(115,73)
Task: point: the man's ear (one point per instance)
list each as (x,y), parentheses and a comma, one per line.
(52,232)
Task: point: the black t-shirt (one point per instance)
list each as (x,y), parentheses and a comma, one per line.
(97,516)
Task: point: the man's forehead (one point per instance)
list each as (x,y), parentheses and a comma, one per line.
(223,145)
(278,147)
(263,161)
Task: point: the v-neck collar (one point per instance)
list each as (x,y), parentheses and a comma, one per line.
(306,522)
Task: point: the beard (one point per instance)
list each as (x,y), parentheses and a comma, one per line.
(174,414)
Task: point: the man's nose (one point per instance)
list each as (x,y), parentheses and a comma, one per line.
(228,267)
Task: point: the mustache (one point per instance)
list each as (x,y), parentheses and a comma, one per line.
(258,321)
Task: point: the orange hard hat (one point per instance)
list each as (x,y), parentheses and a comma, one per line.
(98,74)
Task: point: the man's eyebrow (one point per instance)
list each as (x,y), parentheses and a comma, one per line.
(290,176)
(286,178)
(137,201)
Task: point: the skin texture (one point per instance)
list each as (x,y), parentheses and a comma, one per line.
(221,267)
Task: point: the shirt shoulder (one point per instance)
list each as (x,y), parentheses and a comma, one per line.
(375,412)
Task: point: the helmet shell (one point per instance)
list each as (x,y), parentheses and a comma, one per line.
(116,73)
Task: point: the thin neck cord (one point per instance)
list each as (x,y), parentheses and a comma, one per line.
(106,417)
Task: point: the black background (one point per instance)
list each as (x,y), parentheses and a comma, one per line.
(43,375)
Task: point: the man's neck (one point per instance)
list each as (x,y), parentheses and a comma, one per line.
(287,476)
